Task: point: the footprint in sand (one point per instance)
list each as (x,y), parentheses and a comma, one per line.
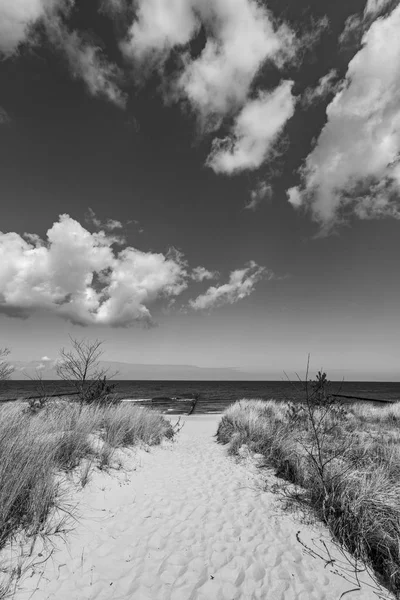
(190,524)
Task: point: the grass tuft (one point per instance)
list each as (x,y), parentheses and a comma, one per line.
(352,483)
(36,447)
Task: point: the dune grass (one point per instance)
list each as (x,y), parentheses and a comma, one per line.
(349,476)
(35,448)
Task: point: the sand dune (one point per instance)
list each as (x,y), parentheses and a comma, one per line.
(190,523)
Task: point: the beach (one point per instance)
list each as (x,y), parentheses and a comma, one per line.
(185,521)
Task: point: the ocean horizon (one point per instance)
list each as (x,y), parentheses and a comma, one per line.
(213,394)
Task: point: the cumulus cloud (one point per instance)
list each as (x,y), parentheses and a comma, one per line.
(240,285)
(256,129)
(355,162)
(80,277)
(200,274)
(241,37)
(261,192)
(86,60)
(158,27)
(328,84)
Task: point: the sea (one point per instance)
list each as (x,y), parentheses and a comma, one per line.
(214,396)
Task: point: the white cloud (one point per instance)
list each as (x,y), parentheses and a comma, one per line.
(294,197)
(375,7)
(200,274)
(113,7)
(108,224)
(261,192)
(308,38)
(241,37)
(45,359)
(352,32)
(86,61)
(256,129)
(328,84)
(158,27)
(16,17)
(240,285)
(78,276)
(355,162)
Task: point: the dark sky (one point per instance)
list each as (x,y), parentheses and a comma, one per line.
(63,149)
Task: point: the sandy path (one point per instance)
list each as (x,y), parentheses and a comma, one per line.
(189,524)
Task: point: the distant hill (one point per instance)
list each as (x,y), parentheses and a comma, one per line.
(128,371)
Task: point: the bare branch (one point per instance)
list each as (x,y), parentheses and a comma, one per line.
(6,369)
(80,366)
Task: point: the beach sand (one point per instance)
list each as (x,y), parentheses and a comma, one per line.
(187,522)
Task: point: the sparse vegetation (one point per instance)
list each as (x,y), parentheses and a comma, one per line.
(35,448)
(343,460)
(42,392)
(80,366)
(6,370)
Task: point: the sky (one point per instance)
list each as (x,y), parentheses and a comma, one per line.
(208,183)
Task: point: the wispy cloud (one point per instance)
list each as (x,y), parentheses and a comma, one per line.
(86,60)
(352,32)
(5,118)
(355,162)
(255,130)
(240,285)
(201,273)
(78,276)
(261,192)
(108,224)
(376,7)
(328,84)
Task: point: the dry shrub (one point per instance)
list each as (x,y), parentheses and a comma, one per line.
(27,486)
(70,428)
(362,510)
(349,475)
(126,425)
(34,447)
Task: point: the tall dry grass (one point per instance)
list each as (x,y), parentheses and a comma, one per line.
(36,447)
(350,478)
